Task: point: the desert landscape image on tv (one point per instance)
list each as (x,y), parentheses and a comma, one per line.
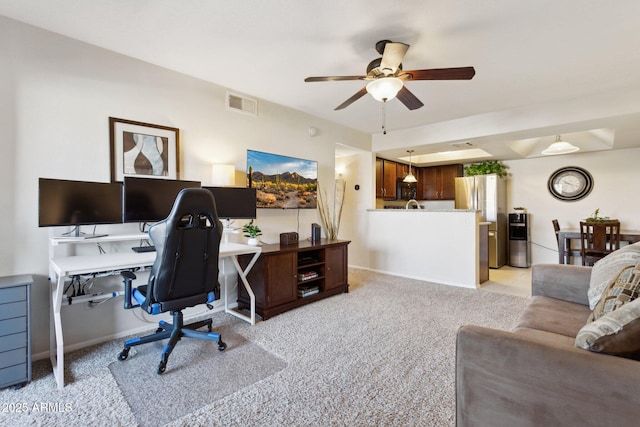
(282,182)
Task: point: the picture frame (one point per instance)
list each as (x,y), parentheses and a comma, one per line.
(143,150)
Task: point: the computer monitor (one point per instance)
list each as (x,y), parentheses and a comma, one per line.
(149,199)
(234,202)
(65,202)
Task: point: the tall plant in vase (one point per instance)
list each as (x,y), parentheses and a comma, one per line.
(331,218)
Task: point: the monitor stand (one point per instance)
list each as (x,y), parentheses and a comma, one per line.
(227,230)
(75,232)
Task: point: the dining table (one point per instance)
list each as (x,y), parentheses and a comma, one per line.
(566,235)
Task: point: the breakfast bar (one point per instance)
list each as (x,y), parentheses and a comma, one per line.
(436,246)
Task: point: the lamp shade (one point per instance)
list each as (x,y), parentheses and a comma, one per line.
(409,178)
(560,147)
(223,175)
(384,88)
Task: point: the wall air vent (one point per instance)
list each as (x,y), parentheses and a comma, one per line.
(242,104)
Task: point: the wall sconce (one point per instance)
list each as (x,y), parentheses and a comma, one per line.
(223,175)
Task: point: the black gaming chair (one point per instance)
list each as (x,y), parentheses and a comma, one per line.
(184,274)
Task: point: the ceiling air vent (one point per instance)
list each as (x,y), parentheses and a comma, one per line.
(242,104)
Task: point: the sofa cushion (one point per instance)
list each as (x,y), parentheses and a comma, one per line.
(554,315)
(606,270)
(616,333)
(625,288)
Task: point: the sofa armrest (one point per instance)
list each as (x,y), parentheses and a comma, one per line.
(561,281)
(506,379)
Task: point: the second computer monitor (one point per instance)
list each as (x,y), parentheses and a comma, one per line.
(149,199)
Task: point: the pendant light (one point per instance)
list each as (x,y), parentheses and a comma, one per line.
(560,147)
(410,178)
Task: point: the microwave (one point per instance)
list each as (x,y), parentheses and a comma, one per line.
(406,190)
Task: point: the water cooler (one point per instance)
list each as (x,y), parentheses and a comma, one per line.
(519,244)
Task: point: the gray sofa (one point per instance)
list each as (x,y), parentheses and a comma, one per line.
(535,375)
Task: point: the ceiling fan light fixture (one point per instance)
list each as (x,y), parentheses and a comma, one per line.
(384,89)
(560,147)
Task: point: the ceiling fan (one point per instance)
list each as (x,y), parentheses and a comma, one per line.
(386,77)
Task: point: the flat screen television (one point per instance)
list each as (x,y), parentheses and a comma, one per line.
(282,182)
(65,202)
(149,199)
(234,202)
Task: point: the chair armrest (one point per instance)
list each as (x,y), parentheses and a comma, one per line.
(128,277)
(506,379)
(561,281)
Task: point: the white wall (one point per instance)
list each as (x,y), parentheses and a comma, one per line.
(56,96)
(616,177)
(357,169)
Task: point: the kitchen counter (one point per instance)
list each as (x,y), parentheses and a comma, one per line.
(436,246)
(419,210)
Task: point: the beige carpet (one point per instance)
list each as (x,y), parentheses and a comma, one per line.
(383,355)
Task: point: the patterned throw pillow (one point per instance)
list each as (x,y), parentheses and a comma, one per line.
(605,271)
(624,289)
(616,333)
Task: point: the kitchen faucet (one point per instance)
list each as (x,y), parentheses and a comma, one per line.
(412,202)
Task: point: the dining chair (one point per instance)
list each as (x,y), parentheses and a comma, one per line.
(598,239)
(569,250)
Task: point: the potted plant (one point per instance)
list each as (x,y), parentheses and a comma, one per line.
(595,217)
(251,231)
(486,167)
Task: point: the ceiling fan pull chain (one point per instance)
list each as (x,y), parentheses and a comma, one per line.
(384,117)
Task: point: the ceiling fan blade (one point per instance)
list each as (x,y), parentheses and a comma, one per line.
(392,57)
(351,100)
(333,78)
(409,99)
(459,73)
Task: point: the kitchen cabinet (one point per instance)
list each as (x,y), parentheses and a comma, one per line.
(402,170)
(386,177)
(286,277)
(438,182)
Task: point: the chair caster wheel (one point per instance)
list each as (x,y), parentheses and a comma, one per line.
(161,368)
(123,354)
(222,346)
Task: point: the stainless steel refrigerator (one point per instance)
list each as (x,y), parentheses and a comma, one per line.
(487,194)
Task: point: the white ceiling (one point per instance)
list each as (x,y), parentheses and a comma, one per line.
(528,55)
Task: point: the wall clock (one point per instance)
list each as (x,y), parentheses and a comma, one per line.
(570,183)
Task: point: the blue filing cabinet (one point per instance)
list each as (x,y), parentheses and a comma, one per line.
(15,330)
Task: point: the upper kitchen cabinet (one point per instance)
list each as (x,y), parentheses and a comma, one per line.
(438,182)
(402,170)
(386,177)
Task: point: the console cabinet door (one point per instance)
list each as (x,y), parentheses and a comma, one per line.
(281,270)
(335,266)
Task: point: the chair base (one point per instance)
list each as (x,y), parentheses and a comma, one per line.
(174,332)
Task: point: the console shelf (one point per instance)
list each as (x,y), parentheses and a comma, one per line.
(277,277)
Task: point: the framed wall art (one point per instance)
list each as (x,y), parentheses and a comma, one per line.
(143,150)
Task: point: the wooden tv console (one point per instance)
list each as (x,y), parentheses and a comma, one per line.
(286,277)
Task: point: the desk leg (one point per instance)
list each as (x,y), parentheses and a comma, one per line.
(245,282)
(56,341)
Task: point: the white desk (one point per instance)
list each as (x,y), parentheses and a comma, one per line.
(64,267)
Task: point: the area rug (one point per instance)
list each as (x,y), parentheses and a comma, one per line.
(197,375)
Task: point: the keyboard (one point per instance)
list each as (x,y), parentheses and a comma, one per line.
(139,249)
